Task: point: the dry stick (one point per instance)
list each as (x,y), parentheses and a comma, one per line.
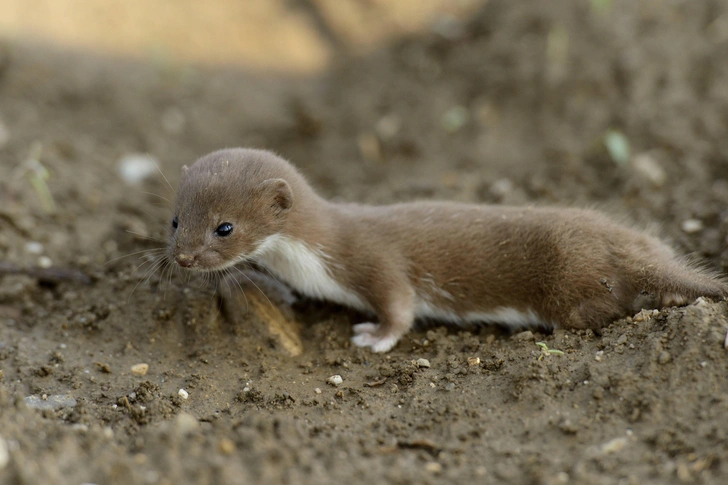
(50,275)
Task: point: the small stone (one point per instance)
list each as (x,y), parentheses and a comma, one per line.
(388,126)
(423,363)
(613,446)
(185,423)
(136,167)
(664,357)
(691,226)
(45,262)
(433,467)
(33,247)
(226,446)
(317,390)
(455,118)
(599,355)
(646,165)
(335,380)
(183,394)
(473,361)
(53,402)
(526,336)
(140,369)
(501,188)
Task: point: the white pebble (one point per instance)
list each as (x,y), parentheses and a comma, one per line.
(615,445)
(455,118)
(34,247)
(317,390)
(423,363)
(136,167)
(139,369)
(650,168)
(183,394)
(502,187)
(185,423)
(45,262)
(692,226)
(335,380)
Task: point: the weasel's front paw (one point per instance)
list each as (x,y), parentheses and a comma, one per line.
(369,335)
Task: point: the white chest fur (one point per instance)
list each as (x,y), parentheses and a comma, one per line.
(305,269)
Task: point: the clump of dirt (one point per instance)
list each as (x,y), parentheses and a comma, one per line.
(511,106)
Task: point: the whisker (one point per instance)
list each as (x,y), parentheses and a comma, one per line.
(253,283)
(162,174)
(132,254)
(147,275)
(236,282)
(144,236)
(157,195)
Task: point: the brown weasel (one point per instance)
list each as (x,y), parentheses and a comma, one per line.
(517,266)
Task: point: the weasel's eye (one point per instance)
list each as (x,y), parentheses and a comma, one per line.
(224,229)
(175,223)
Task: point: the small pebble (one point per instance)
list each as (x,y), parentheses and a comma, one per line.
(52,402)
(335,380)
(691,226)
(664,357)
(423,363)
(33,247)
(45,262)
(317,390)
(185,423)
(598,357)
(650,168)
(388,126)
(136,167)
(226,446)
(501,188)
(526,336)
(140,369)
(473,361)
(433,467)
(455,118)
(615,445)
(183,394)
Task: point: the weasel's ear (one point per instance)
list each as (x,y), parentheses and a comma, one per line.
(279,193)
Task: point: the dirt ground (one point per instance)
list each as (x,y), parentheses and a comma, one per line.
(509,103)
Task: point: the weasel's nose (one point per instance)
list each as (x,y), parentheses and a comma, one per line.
(185,260)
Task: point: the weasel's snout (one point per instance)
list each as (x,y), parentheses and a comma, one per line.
(185,260)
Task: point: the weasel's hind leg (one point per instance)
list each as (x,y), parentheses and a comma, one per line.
(595,313)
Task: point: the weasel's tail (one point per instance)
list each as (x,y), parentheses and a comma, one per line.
(678,283)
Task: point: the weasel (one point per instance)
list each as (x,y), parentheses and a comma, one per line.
(517,266)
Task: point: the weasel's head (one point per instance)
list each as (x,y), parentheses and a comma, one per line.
(228,203)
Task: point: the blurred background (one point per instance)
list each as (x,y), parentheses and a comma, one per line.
(611,103)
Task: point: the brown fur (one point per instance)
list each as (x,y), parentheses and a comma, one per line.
(574,268)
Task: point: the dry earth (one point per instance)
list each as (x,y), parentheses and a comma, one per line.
(500,102)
